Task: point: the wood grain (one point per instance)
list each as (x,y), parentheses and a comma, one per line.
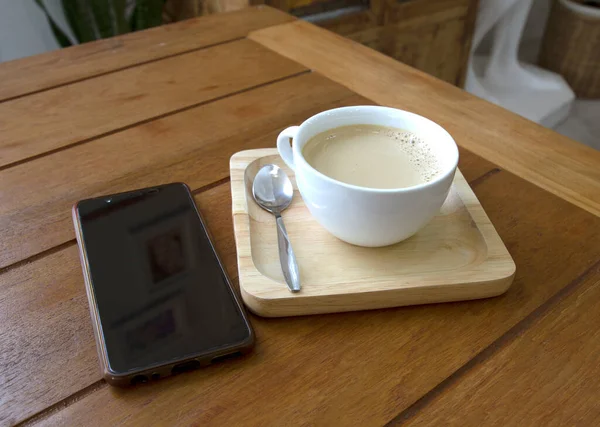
(56,118)
(549,375)
(193,147)
(539,155)
(326,359)
(434,47)
(57,68)
(457,256)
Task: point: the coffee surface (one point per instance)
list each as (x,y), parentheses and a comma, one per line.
(372,156)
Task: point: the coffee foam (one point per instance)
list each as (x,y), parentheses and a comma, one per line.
(417,150)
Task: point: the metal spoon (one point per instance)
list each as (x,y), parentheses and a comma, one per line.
(273,191)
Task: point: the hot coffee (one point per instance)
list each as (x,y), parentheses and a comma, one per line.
(373,156)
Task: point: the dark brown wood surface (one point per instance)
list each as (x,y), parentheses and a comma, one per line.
(547,375)
(425,364)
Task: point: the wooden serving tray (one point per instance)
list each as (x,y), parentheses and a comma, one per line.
(457,256)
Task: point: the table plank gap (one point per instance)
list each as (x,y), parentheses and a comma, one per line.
(485,176)
(61,404)
(207,187)
(59,247)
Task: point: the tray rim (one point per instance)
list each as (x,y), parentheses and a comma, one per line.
(497,273)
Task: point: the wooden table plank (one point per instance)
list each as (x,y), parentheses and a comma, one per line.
(551,161)
(193,147)
(548,376)
(41,72)
(322,358)
(77,112)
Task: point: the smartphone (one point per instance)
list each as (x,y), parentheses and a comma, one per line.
(161,302)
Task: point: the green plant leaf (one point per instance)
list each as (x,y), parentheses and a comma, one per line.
(110,17)
(147,14)
(81,19)
(96,19)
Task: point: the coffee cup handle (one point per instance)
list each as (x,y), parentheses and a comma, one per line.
(285,147)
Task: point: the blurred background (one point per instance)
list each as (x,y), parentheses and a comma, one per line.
(538,58)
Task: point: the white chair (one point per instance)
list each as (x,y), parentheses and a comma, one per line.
(537,94)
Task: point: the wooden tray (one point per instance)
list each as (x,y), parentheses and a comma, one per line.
(457,256)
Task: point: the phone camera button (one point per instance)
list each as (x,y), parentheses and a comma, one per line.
(139,379)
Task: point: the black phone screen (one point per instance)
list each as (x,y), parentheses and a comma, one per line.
(160,290)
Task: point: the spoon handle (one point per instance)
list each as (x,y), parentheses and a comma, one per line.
(287,257)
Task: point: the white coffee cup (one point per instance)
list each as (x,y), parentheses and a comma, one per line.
(366,216)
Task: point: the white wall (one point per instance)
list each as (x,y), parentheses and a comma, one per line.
(24,29)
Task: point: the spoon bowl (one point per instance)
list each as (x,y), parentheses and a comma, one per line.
(272,189)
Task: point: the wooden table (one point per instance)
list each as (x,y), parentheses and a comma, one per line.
(173,104)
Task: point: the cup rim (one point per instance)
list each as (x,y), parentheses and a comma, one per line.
(441,177)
